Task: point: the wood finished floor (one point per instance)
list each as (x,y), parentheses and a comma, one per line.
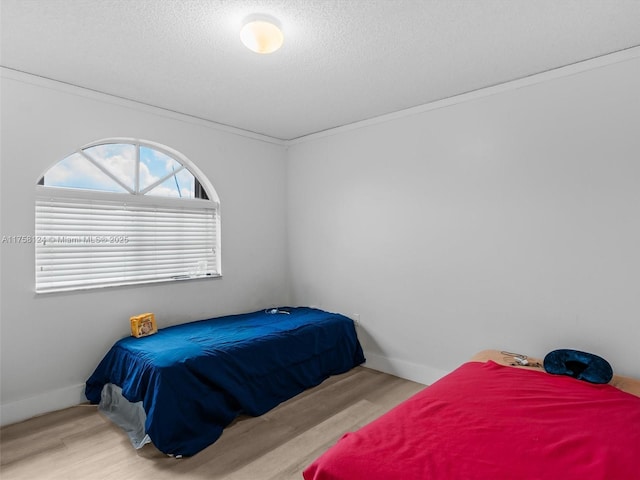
(79,443)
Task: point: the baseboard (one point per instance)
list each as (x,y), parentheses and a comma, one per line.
(19,410)
(69,396)
(401,368)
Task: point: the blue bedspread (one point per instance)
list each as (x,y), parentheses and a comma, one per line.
(194,379)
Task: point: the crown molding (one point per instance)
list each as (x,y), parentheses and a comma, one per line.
(71,89)
(560,72)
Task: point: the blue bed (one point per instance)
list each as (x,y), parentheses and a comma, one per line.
(192,380)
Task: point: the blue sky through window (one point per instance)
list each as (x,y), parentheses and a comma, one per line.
(118,159)
(76,171)
(155,165)
(112,167)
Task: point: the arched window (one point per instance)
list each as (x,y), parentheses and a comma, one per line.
(121,212)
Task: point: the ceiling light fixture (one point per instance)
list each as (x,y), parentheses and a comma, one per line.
(261,35)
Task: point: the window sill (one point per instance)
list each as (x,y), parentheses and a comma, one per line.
(96,288)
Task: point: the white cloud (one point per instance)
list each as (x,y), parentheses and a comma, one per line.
(146,177)
(78,172)
(120,161)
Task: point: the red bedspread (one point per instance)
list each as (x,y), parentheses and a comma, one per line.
(487,421)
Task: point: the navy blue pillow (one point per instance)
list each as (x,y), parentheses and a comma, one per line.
(581,365)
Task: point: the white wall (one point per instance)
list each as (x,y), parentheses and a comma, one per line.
(507,219)
(51,343)
(510,220)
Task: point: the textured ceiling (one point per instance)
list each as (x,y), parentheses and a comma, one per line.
(342,61)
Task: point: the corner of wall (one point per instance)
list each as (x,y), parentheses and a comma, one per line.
(401,368)
(17,411)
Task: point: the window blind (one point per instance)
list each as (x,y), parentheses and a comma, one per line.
(93,240)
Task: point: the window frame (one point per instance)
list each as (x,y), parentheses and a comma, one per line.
(135,201)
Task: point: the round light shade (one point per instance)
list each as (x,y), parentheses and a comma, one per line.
(261,36)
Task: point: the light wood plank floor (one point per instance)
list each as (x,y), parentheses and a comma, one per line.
(79,443)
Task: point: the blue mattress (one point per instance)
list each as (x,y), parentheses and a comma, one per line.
(194,379)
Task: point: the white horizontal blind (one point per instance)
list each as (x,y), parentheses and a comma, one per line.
(97,240)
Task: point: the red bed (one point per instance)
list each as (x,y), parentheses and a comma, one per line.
(490,421)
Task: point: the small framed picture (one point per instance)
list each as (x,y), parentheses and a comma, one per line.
(143,325)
